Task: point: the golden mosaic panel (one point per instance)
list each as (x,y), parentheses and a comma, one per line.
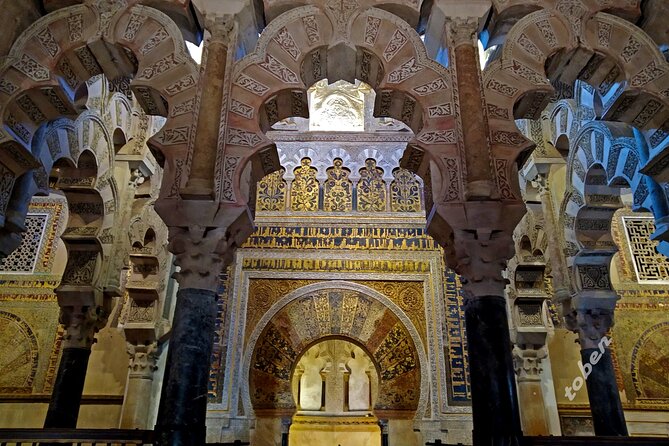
(371,188)
(304,188)
(338,189)
(271,195)
(642,351)
(405,192)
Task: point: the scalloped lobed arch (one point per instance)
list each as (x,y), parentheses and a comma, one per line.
(540,47)
(48,66)
(292,53)
(603,156)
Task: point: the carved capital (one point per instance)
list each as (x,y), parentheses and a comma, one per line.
(527,362)
(221,28)
(591,325)
(482,257)
(462,30)
(81,323)
(143,360)
(201,253)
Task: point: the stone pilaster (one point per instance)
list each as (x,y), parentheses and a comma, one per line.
(137,400)
(527,364)
(211,92)
(560,276)
(479,178)
(80,323)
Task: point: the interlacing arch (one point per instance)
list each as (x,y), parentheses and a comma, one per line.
(559,44)
(45,74)
(301,47)
(603,159)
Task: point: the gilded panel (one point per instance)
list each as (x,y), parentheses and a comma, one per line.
(29,329)
(304,188)
(338,189)
(642,352)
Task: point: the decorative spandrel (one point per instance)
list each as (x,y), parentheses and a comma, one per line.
(404,192)
(371,188)
(304,190)
(272,192)
(338,190)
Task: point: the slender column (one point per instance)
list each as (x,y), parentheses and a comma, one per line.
(285,430)
(527,364)
(480,179)
(201,178)
(596,366)
(201,253)
(137,400)
(383,425)
(80,323)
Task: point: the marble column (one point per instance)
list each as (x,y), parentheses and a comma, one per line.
(480,178)
(80,324)
(183,401)
(494,399)
(137,399)
(527,363)
(201,253)
(212,80)
(598,373)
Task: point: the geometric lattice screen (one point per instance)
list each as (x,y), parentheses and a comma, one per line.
(650,266)
(24,258)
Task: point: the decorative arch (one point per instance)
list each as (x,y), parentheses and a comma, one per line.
(604,157)
(293,53)
(47,68)
(402,392)
(556,46)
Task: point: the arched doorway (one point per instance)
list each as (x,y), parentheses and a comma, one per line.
(335,384)
(330,311)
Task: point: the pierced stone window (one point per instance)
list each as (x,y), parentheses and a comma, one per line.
(649,265)
(24,258)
